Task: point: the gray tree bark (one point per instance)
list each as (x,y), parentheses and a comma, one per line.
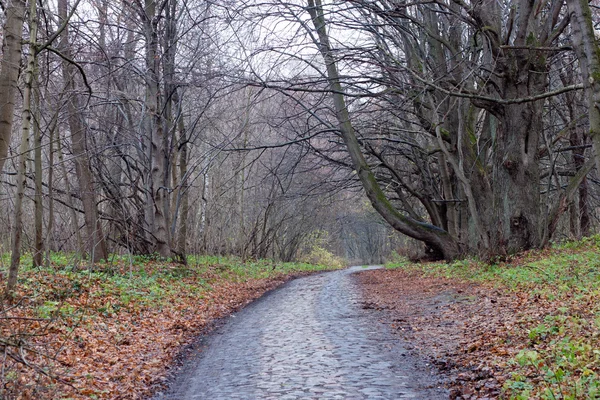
(157,196)
(9,71)
(95,241)
(588,53)
(38,255)
(17,232)
(438,239)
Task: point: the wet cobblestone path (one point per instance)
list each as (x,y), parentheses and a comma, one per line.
(310,339)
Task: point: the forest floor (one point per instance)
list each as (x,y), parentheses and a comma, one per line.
(115,331)
(524,328)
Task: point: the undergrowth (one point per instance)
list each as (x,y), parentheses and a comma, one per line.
(110,330)
(558,355)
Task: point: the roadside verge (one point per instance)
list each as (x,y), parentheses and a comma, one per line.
(525,327)
(114,332)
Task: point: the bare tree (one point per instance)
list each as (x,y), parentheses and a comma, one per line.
(9,71)
(17,232)
(441,132)
(96,243)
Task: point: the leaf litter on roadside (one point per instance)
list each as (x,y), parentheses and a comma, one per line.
(526,328)
(114,332)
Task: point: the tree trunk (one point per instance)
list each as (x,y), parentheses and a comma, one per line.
(509,192)
(17,232)
(513,222)
(566,198)
(95,241)
(588,53)
(581,218)
(38,255)
(50,226)
(170,121)
(157,192)
(68,190)
(9,71)
(436,238)
(183,191)
(585,222)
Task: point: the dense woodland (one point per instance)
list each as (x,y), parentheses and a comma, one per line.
(253,128)
(161,161)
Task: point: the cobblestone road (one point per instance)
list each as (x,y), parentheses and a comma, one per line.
(310,339)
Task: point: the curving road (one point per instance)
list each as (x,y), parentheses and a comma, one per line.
(310,339)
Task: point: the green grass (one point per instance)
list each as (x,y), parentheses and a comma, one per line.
(142,279)
(121,293)
(561,356)
(235,268)
(566,267)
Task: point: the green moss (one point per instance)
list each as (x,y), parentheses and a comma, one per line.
(531,40)
(470,126)
(595,72)
(445,133)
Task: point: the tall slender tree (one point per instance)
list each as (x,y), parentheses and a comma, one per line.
(95,240)
(9,70)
